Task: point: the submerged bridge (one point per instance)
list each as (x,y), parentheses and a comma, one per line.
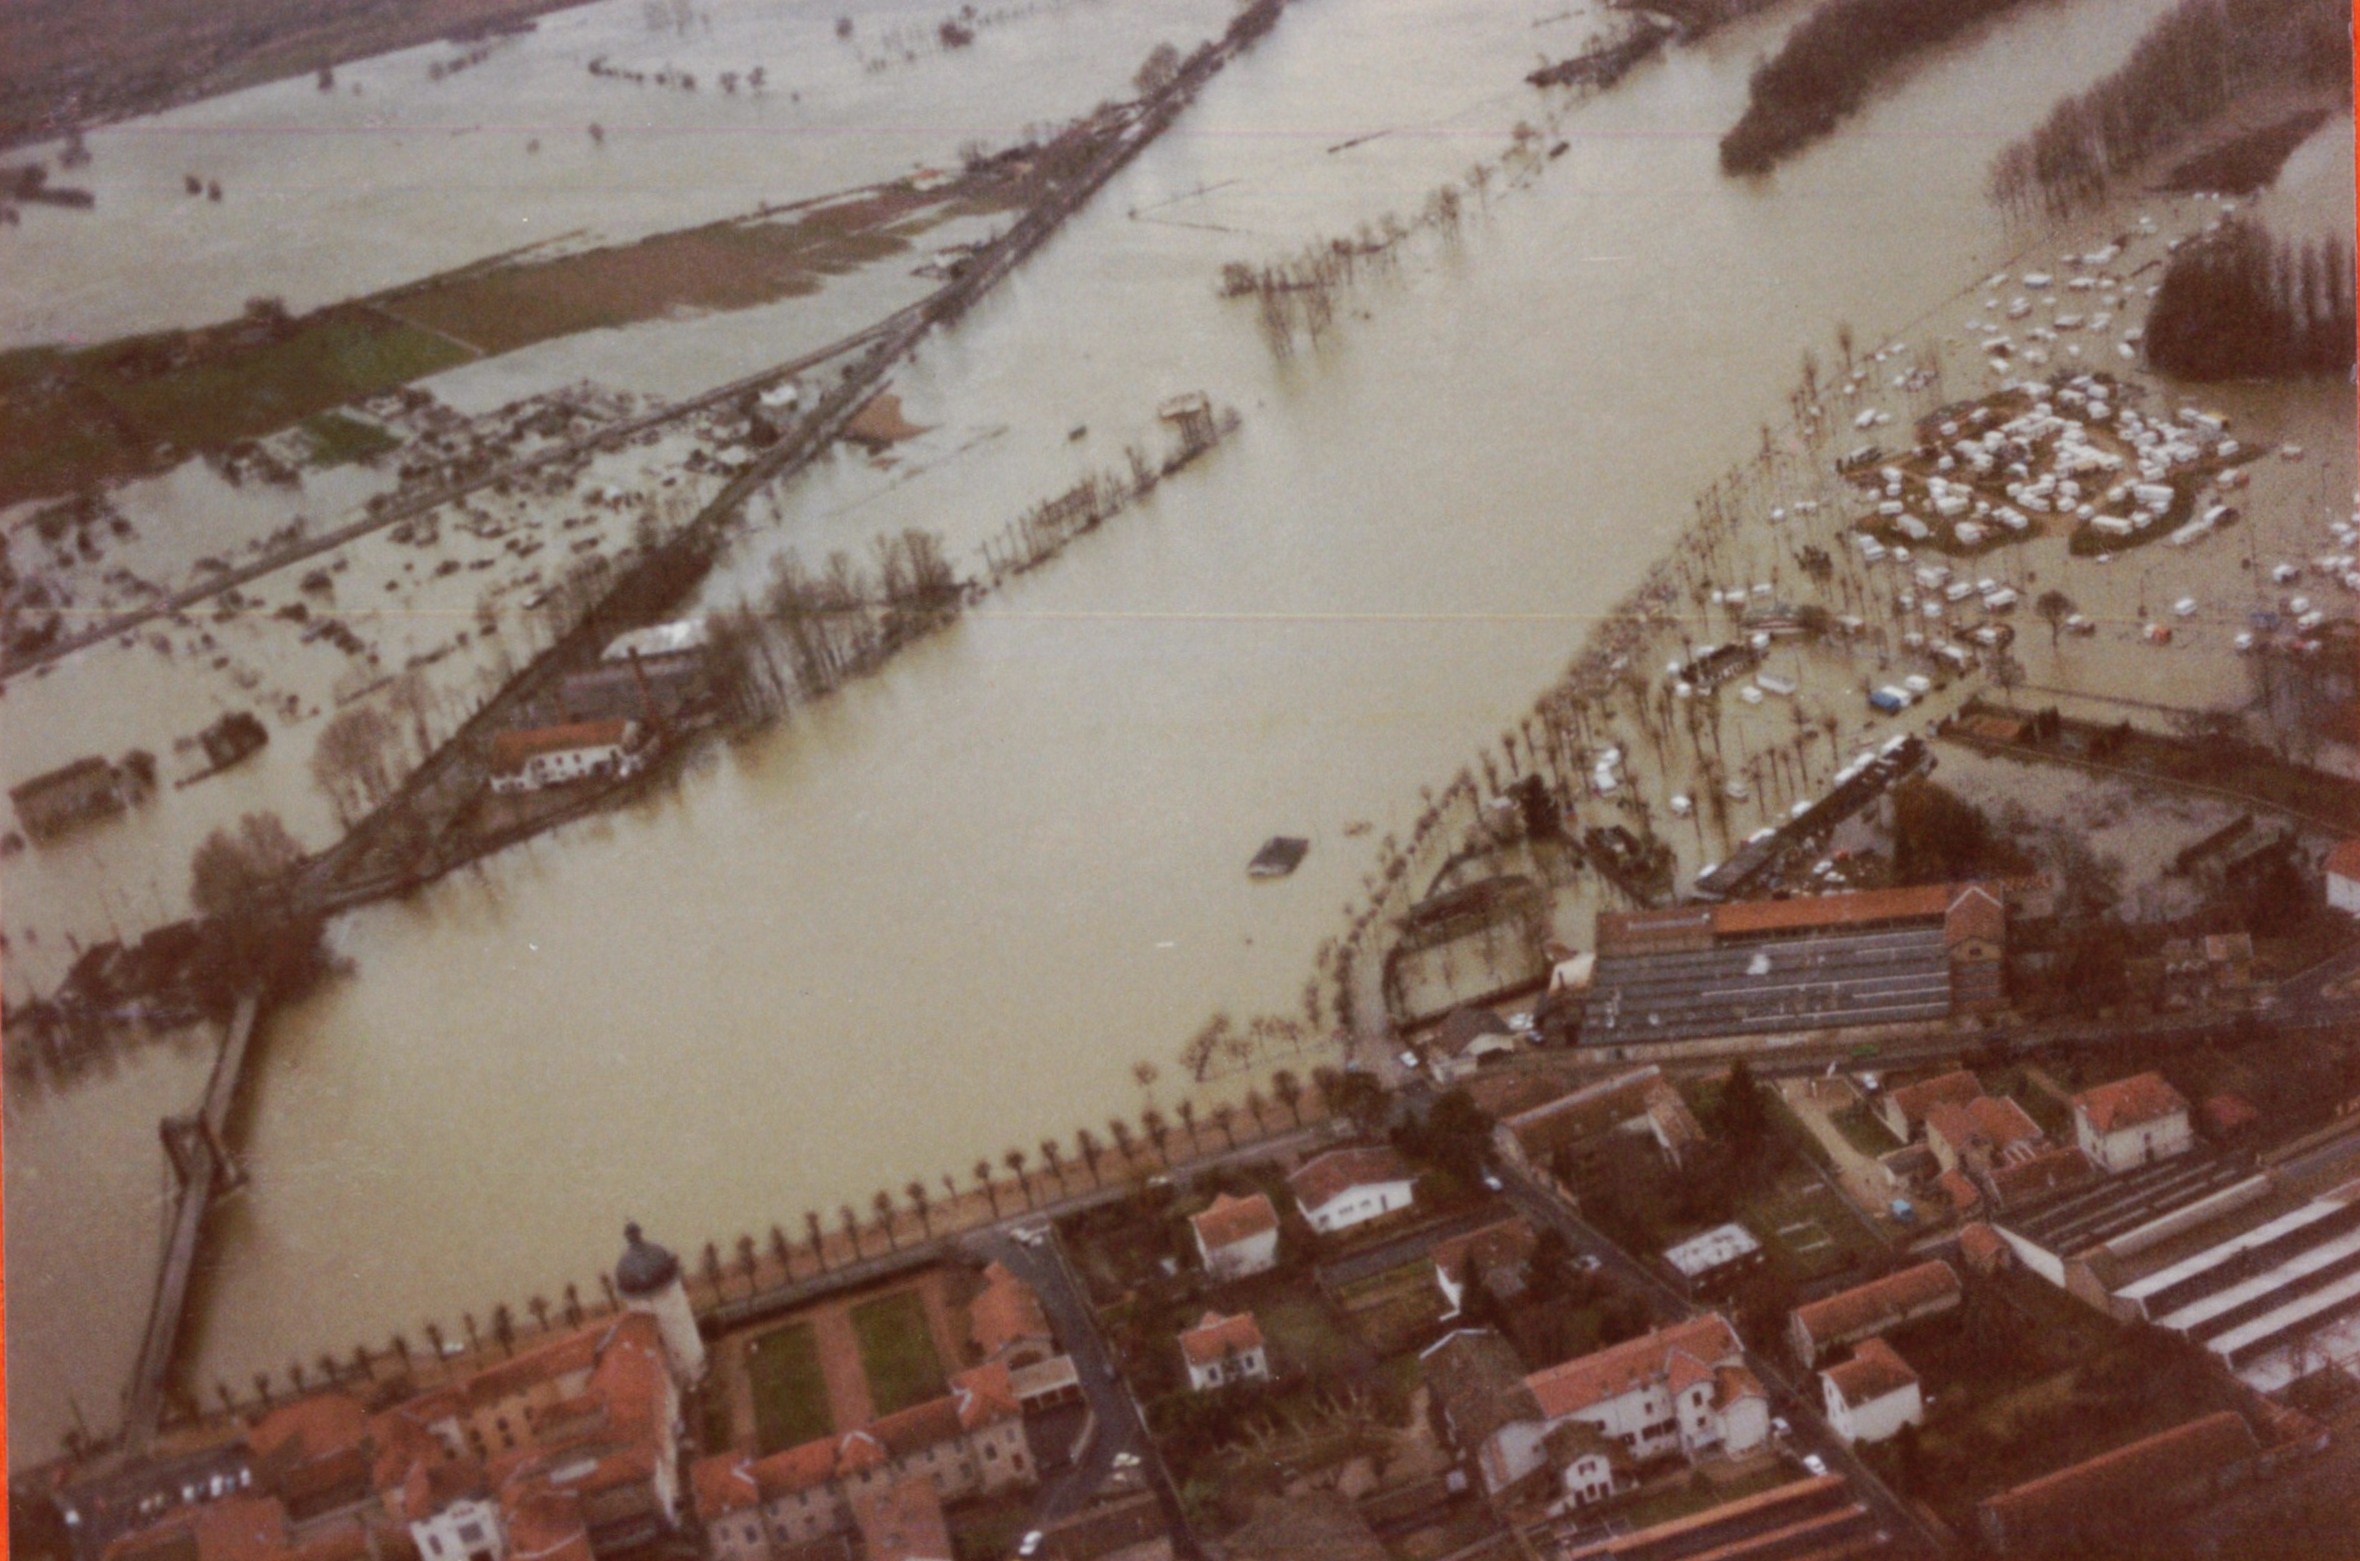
(204,1169)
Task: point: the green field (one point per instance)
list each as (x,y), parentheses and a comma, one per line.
(69,419)
(897,1351)
(337,439)
(789,1389)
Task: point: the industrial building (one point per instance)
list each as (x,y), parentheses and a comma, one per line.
(2275,1301)
(1767,967)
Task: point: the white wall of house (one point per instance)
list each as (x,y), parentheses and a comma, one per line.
(1589,1478)
(466,1530)
(1879,1418)
(1238,1366)
(738,1537)
(2343,894)
(1358,1205)
(1252,1255)
(2129,1148)
(1514,1452)
(565,764)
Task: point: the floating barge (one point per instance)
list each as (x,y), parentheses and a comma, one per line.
(1279,856)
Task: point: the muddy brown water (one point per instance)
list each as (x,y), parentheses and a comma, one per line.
(945,913)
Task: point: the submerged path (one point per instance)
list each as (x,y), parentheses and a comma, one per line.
(434,498)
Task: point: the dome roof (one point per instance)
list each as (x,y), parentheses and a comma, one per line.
(644,1267)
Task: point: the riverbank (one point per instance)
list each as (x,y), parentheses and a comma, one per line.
(1288,642)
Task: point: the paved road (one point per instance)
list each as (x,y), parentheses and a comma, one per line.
(1801,1411)
(1117,1426)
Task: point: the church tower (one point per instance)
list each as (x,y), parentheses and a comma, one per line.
(648,1279)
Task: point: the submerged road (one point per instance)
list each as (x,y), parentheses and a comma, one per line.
(434,498)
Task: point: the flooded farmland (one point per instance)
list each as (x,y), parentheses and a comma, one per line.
(946,911)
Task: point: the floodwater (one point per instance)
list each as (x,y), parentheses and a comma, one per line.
(943,914)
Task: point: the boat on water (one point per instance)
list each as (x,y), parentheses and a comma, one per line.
(1279,856)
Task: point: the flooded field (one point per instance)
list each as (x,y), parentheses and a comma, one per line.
(945,912)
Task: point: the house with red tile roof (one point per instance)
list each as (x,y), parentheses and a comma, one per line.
(314,1454)
(1871,1396)
(1005,1322)
(2045,1174)
(1237,1237)
(1348,1187)
(531,758)
(1982,1134)
(238,1528)
(1220,1351)
(1983,1249)
(1681,1389)
(2343,878)
(1904,1107)
(574,1444)
(1499,1255)
(2132,1122)
(2127,1491)
(1578,1132)
(1881,1305)
(970,1442)
(902,1523)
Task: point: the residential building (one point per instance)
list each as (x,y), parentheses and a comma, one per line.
(2043,1176)
(685,638)
(106,1501)
(1477,1387)
(902,1522)
(1716,1261)
(1864,1311)
(1005,1322)
(1347,1187)
(1904,1107)
(1499,1256)
(1237,1237)
(647,691)
(244,1528)
(1573,1136)
(1464,1039)
(1126,1527)
(1222,1351)
(1984,1250)
(2121,1493)
(1982,1134)
(1872,1395)
(2132,1122)
(1682,1389)
(534,758)
(970,1442)
(577,1441)
(315,1454)
(2343,877)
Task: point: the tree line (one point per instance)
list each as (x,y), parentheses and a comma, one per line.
(1828,65)
(2240,303)
(2188,68)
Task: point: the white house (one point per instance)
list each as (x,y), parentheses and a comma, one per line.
(1348,1187)
(2132,1122)
(537,757)
(1683,1389)
(1873,1395)
(1237,1236)
(2343,878)
(1222,1350)
(468,1529)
